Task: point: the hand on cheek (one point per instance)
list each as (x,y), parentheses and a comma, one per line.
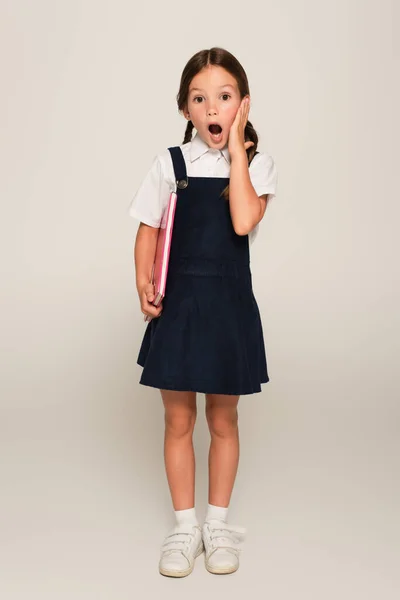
(236,143)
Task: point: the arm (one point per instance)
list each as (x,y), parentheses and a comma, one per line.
(147,207)
(144,253)
(247,209)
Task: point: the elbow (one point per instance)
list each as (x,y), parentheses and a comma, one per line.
(242,228)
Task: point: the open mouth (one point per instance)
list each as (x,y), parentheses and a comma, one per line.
(215,131)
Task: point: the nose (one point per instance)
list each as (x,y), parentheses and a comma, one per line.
(211,111)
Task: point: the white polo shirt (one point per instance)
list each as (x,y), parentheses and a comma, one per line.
(153,194)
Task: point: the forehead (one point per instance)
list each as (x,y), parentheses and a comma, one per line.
(213,77)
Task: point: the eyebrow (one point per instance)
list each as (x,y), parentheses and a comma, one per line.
(222,86)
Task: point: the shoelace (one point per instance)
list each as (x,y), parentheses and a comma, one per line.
(178,540)
(225,536)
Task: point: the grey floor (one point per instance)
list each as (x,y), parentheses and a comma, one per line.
(84,503)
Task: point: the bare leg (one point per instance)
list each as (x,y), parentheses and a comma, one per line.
(180,418)
(223,458)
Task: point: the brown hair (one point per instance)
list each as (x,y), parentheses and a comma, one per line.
(221,58)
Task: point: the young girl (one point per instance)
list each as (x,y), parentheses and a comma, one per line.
(207,335)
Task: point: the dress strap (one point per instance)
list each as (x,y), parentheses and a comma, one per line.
(179,167)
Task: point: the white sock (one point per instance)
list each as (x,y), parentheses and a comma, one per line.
(188,515)
(217,512)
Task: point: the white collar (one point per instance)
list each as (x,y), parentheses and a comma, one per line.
(199,147)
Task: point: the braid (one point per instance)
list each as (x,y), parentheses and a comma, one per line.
(250,135)
(188,132)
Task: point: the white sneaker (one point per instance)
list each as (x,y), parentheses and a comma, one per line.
(180,549)
(222,546)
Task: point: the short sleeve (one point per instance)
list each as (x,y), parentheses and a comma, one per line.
(152,195)
(263,175)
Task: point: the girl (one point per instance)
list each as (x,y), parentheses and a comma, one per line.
(207,335)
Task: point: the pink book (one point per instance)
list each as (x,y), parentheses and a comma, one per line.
(160,266)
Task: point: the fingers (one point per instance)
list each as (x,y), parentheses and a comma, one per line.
(152,314)
(148,309)
(151,310)
(243,112)
(245,109)
(236,135)
(238,116)
(147,297)
(148,292)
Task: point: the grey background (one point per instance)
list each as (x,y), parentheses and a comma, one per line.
(88,98)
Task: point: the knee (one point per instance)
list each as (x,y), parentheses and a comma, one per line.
(222,424)
(180,423)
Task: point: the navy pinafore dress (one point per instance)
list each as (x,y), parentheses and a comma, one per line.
(209,336)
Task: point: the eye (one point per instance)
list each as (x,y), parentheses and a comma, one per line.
(197,98)
(228,95)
